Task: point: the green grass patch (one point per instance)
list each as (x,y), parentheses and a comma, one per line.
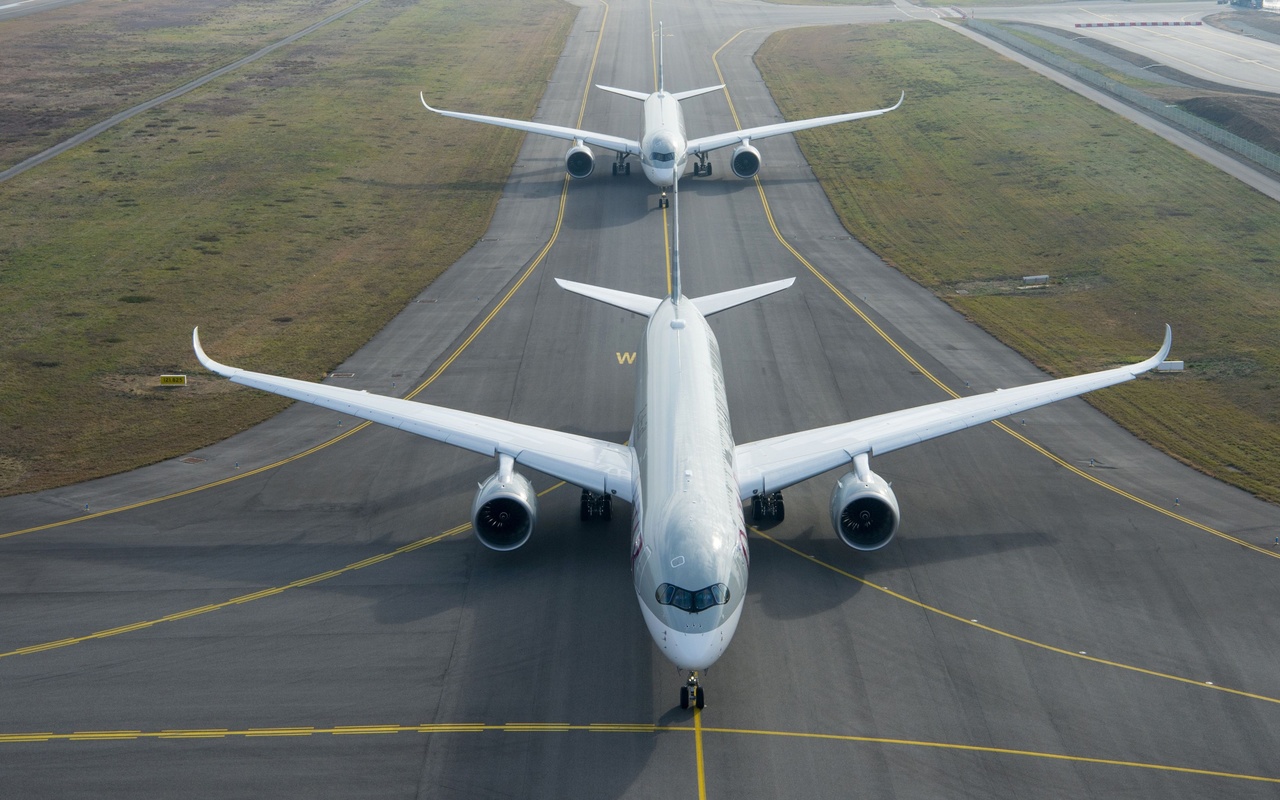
(290,209)
(990,172)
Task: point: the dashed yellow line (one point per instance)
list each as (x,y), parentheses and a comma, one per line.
(261,594)
(240,600)
(697,729)
(1013,636)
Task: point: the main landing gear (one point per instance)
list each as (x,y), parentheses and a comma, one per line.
(596,506)
(692,692)
(620,165)
(703,167)
(768,507)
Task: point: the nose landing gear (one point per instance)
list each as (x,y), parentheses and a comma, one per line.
(692,692)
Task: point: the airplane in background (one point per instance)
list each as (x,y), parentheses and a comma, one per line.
(682,473)
(662,147)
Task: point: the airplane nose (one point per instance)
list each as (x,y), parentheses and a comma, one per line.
(693,651)
(696,651)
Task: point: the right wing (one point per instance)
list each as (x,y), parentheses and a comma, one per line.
(602,467)
(706,144)
(772,464)
(615,143)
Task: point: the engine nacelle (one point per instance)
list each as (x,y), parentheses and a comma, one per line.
(505,511)
(864,512)
(745,162)
(579,162)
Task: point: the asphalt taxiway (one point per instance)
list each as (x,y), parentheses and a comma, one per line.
(326,627)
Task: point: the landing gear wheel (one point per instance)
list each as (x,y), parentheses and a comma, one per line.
(615,170)
(595,506)
(627,170)
(768,507)
(691,691)
(707,170)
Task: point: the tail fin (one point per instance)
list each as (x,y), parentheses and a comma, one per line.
(660,55)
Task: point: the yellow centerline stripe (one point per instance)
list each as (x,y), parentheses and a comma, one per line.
(768,212)
(1012,636)
(564,190)
(697,729)
(697,738)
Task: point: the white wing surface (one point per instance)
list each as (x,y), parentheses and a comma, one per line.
(769,465)
(594,464)
(706,144)
(615,143)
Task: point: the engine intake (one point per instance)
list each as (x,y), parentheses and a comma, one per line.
(579,162)
(864,512)
(745,162)
(505,510)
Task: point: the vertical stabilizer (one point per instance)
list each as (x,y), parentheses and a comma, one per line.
(660,56)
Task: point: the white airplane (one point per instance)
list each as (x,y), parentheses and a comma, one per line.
(682,473)
(662,147)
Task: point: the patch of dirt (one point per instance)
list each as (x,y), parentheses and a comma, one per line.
(148,386)
(12,471)
(1015,286)
(1256,119)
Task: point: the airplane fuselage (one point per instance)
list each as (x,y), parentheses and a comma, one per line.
(663,144)
(689,555)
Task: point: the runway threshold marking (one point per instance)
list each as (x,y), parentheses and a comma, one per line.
(697,729)
(1204,684)
(768,212)
(564,192)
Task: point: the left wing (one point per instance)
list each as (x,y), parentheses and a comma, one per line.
(772,464)
(615,143)
(706,144)
(602,467)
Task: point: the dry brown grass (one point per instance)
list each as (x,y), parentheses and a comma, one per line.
(308,193)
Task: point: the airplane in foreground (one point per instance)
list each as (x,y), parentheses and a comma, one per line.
(662,147)
(682,473)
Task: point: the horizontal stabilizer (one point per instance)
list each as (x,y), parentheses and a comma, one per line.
(635,303)
(715,303)
(625,92)
(696,92)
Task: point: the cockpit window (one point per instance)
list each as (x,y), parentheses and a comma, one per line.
(716,594)
(662,157)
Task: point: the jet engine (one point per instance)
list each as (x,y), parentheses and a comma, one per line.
(745,161)
(864,510)
(505,509)
(579,162)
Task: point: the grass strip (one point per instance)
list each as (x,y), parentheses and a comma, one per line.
(992,172)
(308,195)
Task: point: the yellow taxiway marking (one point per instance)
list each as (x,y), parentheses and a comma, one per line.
(240,600)
(1013,636)
(697,729)
(261,594)
(943,386)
